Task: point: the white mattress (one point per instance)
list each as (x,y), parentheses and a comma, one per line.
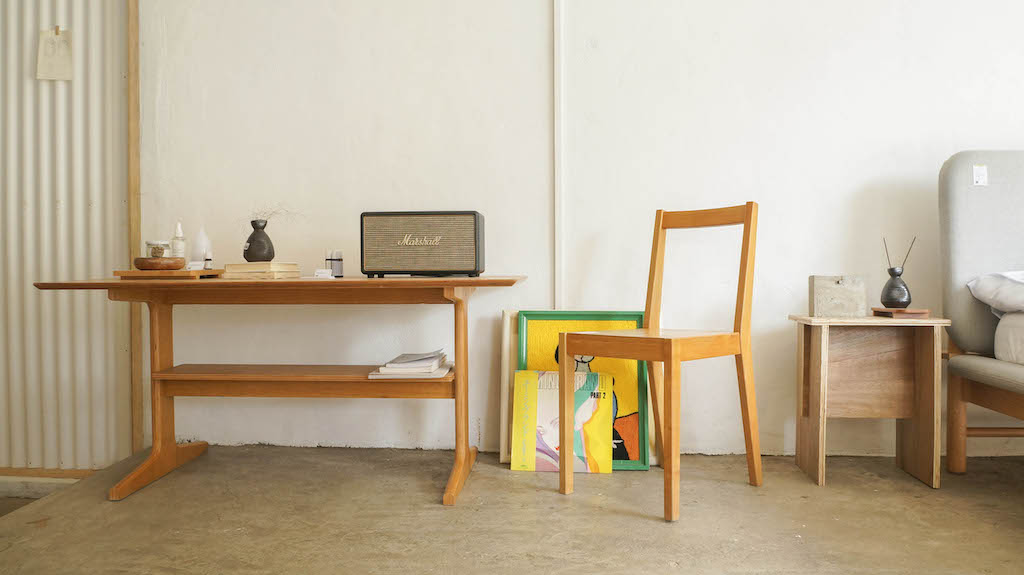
(1010,338)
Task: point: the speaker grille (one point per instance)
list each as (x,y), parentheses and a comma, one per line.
(389,242)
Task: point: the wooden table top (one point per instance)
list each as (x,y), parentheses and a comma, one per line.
(300,283)
(868,321)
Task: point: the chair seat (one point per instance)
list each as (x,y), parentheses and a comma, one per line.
(654,344)
(656,333)
(988,370)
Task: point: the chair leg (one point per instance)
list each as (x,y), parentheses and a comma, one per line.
(566,415)
(748,408)
(670,439)
(956,426)
(655,383)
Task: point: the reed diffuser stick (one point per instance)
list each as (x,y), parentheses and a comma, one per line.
(887,260)
(908,251)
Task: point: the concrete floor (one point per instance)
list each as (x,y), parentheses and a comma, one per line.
(261,509)
(8,504)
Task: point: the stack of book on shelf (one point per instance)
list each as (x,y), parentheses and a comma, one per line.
(414,366)
(260,271)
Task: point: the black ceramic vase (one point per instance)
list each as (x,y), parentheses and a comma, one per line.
(895,293)
(258,248)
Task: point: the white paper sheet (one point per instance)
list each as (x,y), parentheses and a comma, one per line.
(54,60)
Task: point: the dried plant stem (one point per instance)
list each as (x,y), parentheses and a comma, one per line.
(271,212)
(887,260)
(908,251)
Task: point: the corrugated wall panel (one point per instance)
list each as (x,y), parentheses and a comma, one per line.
(63,356)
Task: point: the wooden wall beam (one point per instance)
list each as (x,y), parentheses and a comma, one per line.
(134,216)
(49,473)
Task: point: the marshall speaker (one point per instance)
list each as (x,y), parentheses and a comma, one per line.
(422,243)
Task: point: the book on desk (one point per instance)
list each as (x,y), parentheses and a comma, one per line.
(261,271)
(430,365)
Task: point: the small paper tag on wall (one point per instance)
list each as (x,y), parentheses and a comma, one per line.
(980,175)
(54,59)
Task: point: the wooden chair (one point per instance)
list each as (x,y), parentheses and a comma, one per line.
(669,347)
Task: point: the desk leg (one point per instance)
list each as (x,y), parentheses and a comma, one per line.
(166,455)
(917,438)
(812,394)
(464,454)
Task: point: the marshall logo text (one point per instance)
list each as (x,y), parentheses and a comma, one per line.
(408,240)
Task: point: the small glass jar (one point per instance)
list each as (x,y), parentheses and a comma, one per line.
(334,261)
(158,249)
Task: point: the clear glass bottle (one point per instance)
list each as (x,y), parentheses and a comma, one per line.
(178,243)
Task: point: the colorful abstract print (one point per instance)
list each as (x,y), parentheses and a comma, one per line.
(535,425)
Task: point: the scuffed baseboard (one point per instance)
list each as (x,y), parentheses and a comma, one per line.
(32,487)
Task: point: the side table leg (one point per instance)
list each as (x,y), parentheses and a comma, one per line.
(166,455)
(812,395)
(917,438)
(465,455)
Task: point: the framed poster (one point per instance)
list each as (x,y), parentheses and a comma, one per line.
(538,346)
(509,365)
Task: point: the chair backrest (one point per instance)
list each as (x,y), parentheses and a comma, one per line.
(745,215)
(979,233)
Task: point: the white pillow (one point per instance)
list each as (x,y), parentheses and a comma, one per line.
(1010,338)
(1004,292)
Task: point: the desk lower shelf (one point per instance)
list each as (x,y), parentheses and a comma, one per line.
(257,380)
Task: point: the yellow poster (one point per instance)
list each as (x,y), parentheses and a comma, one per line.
(535,422)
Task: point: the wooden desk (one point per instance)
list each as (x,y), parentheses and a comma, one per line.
(870,367)
(228,380)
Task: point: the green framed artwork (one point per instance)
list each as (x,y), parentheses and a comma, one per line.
(538,343)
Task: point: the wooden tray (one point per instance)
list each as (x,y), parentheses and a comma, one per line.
(901,313)
(159,263)
(166,274)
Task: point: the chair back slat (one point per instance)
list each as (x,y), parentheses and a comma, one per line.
(745,289)
(745,215)
(731,216)
(652,313)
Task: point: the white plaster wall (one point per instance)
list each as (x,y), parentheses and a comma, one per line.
(332,108)
(834,116)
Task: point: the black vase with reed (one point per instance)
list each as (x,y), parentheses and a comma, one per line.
(258,248)
(895,293)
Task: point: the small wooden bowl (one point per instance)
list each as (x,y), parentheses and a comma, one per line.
(159,263)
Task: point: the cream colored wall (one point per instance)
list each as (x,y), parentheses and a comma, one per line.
(330,109)
(834,116)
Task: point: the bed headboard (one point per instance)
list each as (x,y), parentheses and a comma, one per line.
(981,230)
